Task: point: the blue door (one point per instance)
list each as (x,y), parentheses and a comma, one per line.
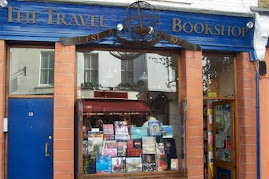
(30,142)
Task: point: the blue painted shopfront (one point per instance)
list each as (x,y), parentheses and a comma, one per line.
(40,21)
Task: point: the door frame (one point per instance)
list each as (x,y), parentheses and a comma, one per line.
(7,96)
(226,165)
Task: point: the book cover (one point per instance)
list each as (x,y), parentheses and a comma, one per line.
(160,148)
(108,137)
(130,143)
(95,134)
(155,128)
(95,146)
(148,163)
(133,164)
(138,132)
(137,143)
(167,131)
(149,145)
(174,164)
(108,129)
(118,164)
(121,127)
(103,164)
(170,146)
(122,146)
(161,162)
(110,148)
(85,147)
(121,137)
(134,152)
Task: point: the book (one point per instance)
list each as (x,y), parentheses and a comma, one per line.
(133,164)
(95,146)
(108,137)
(122,146)
(155,128)
(108,129)
(174,164)
(137,143)
(138,132)
(85,147)
(134,152)
(160,148)
(121,137)
(121,127)
(110,148)
(118,164)
(161,162)
(148,163)
(130,143)
(167,131)
(149,145)
(95,134)
(170,146)
(103,164)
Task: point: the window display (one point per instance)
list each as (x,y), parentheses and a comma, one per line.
(131,128)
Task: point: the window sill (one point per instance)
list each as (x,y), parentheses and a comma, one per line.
(163,174)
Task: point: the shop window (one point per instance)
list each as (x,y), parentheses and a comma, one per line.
(127,71)
(47,68)
(218,76)
(91,68)
(113,134)
(31,71)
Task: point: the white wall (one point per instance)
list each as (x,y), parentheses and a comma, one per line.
(230,6)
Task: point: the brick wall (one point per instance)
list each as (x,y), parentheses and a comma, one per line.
(264,122)
(191,90)
(246,106)
(64,96)
(2,103)
(264,4)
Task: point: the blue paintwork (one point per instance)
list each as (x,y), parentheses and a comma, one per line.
(76,143)
(223,172)
(268,42)
(27,136)
(42,31)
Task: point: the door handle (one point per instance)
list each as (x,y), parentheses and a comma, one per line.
(46,150)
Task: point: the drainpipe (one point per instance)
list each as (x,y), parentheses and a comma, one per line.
(258,120)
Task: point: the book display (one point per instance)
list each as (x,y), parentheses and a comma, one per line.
(112,150)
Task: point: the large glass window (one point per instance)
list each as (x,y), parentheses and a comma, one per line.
(130,120)
(31,71)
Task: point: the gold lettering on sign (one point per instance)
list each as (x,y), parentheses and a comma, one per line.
(50,15)
(188,27)
(61,18)
(74,18)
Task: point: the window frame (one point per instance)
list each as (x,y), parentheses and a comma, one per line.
(91,69)
(47,69)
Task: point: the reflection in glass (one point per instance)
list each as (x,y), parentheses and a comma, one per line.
(31,71)
(218,76)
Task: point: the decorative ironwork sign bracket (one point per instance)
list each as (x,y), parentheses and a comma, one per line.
(140,28)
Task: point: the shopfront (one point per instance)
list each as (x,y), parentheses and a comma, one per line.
(83,79)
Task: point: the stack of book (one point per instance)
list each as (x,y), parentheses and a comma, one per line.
(115,150)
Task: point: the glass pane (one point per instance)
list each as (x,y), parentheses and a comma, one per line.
(223,140)
(44,77)
(26,67)
(51,76)
(218,76)
(130,65)
(147,78)
(87,61)
(94,61)
(51,64)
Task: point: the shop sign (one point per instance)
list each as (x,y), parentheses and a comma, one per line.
(46,21)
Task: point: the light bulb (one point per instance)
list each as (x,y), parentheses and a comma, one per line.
(119,27)
(4,3)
